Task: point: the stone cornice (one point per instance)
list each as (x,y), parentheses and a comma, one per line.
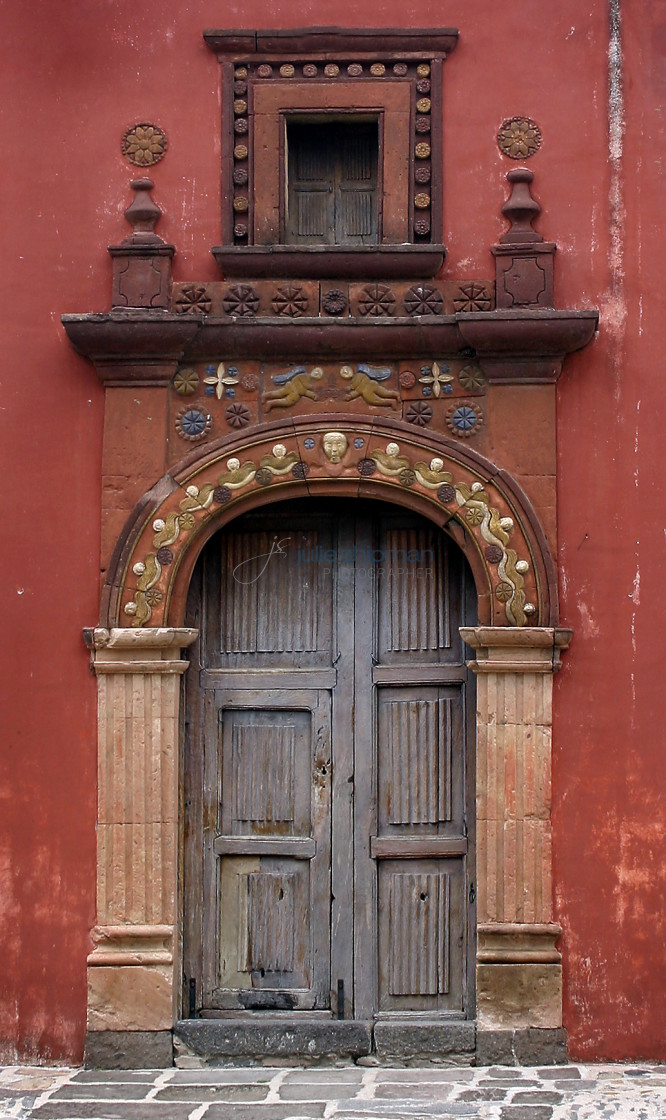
(324,42)
(513,347)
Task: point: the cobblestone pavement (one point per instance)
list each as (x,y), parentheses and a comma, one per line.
(576,1092)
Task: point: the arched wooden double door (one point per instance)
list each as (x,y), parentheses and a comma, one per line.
(328,804)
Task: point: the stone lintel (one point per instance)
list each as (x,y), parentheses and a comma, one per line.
(331,42)
(525,649)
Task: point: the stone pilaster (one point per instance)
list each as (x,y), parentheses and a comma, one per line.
(131,970)
(519,973)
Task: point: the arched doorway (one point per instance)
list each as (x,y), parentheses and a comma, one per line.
(139,653)
(329,768)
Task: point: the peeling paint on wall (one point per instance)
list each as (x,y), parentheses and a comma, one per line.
(615,312)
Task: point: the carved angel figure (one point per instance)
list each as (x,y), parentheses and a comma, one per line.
(293,385)
(364,384)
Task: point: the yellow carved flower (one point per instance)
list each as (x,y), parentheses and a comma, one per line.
(144,144)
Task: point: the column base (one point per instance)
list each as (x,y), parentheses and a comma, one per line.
(530,1047)
(128,1050)
(518,977)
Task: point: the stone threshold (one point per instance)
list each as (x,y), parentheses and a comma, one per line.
(314,1041)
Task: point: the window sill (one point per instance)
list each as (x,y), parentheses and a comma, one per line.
(351,262)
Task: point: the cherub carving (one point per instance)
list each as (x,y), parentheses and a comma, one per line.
(294,384)
(364,384)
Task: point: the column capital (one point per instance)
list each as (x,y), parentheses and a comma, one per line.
(508,649)
(141,650)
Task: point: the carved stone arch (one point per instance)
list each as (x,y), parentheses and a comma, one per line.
(473,500)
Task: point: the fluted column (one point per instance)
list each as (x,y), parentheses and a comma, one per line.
(131,970)
(519,973)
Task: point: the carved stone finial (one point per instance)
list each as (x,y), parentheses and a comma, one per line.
(523,260)
(143,214)
(142,261)
(520,209)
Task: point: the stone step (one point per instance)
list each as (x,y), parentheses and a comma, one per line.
(316,1039)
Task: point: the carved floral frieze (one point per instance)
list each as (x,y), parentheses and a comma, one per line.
(298,299)
(235,394)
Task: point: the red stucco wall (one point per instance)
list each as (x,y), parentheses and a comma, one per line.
(73,77)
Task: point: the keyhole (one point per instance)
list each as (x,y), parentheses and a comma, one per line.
(281,894)
(323,770)
(423,896)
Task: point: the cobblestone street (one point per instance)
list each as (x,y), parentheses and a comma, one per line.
(575,1092)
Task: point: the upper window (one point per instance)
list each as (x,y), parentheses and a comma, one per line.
(332,195)
(331,138)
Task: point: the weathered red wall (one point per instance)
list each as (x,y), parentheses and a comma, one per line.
(73,77)
(610,763)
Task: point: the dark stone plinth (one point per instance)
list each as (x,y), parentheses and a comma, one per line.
(530,1047)
(128,1050)
(404,1041)
(215,1039)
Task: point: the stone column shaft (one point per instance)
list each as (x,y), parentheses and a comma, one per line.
(519,976)
(131,979)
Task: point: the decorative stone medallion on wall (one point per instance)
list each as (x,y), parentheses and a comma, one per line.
(144,144)
(519,137)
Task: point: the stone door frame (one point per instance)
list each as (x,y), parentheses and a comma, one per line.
(134,970)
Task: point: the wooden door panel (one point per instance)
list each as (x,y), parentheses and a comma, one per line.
(419,595)
(332,189)
(265,772)
(421,935)
(268,844)
(420,764)
(254,576)
(264,934)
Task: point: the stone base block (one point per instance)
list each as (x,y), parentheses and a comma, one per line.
(220,1039)
(128,1050)
(518,996)
(451,1043)
(130,998)
(521,1048)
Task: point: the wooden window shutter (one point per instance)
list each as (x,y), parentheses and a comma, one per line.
(332,183)
(356,195)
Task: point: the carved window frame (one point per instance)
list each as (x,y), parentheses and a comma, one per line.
(269,76)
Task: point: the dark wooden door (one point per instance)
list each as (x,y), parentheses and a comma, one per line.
(328,788)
